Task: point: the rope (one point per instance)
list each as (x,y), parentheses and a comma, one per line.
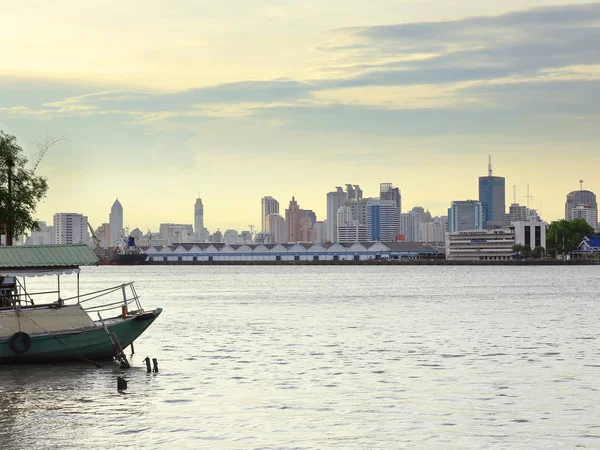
(75,353)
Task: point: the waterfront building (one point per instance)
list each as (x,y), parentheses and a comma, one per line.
(352,232)
(198,216)
(43,236)
(480,245)
(382,220)
(292,219)
(276,228)
(70,228)
(492,194)
(588,248)
(410,226)
(116,223)
(530,232)
(465,215)
(268,206)
(355,251)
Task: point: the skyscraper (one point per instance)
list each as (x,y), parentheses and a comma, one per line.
(410,224)
(465,215)
(492,194)
(276,226)
(387,191)
(582,205)
(268,206)
(335,200)
(116,222)
(293,215)
(198,216)
(70,228)
(382,220)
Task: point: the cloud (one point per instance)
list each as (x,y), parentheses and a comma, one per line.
(471,64)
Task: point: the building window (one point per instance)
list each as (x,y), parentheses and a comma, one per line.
(538,236)
(528,236)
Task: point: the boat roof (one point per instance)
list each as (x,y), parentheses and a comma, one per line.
(32,260)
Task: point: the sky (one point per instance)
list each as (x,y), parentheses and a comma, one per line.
(163,101)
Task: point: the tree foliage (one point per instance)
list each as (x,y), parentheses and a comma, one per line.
(566,235)
(20,188)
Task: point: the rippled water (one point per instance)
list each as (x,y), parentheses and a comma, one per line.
(324,357)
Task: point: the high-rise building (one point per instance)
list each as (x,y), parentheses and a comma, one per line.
(410,223)
(354,232)
(70,228)
(307,232)
(387,191)
(382,220)
(434,232)
(335,200)
(353,192)
(276,227)
(268,206)
(582,205)
(43,236)
(292,219)
(321,228)
(116,223)
(492,194)
(424,216)
(465,215)
(344,216)
(198,216)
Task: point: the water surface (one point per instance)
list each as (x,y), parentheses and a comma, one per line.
(331,357)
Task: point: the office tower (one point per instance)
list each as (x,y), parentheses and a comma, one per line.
(276,227)
(198,216)
(268,206)
(410,223)
(492,198)
(335,200)
(311,215)
(292,219)
(70,228)
(434,232)
(465,215)
(382,220)
(321,228)
(582,205)
(115,220)
(387,191)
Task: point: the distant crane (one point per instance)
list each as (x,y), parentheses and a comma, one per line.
(97,241)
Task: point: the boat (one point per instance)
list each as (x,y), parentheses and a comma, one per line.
(126,253)
(63,330)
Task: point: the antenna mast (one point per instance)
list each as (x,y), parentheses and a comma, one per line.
(489,165)
(514,194)
(581,185)
(528,196)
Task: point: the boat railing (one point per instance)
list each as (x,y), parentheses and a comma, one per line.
(127,298)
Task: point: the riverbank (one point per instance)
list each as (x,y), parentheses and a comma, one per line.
(382,262)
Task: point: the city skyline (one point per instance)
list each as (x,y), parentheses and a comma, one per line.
(294,99)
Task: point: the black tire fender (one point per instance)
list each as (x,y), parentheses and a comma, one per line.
(20,342)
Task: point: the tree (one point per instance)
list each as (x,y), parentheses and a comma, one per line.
(20,188)
(526,251)
(565,235)
(537,252)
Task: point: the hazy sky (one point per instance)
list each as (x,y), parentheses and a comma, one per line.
(233,100)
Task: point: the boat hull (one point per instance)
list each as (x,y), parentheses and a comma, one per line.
(92,343)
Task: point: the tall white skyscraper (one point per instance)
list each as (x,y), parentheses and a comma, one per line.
(70,228)
(268,206)
(198,216)
(410,226)
(116,222)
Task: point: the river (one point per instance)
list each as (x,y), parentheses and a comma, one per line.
(319,357)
